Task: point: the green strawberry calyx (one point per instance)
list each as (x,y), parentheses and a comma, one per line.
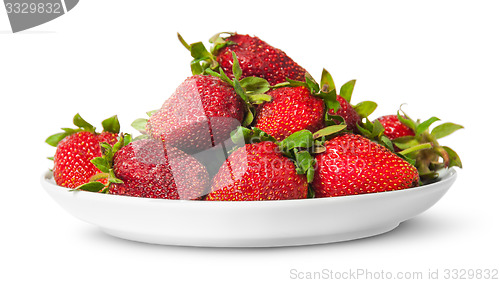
(364,108)
(218,41)
(203,59)
(111,125)
(435,157)
(105,165)
(140,125)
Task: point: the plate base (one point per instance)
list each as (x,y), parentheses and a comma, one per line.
(247,243)
(251,223)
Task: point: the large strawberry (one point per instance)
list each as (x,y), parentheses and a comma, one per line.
(77,147)
(352,164)
(257,58)
(148,168)
(201,113)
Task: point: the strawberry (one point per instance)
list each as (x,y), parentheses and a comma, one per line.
(407,134)
(292,109)
(258,172)
(257,58)
(393,128)
(348,113)
(352,164)
(148,168)
(204,110)
(298,105)
(201,112)
(77,147)
(351,115)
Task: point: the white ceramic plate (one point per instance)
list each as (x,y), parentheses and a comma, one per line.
(252,223)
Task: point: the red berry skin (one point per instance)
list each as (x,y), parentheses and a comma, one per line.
(257,172)
(354,165)
(72,166)
(394,128)
(292,109)
(346,111)
(259,59)
(201,113)
(151,169)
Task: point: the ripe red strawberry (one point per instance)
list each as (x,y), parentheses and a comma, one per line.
(258,172)
(148,168)
(297,106)
(407,135)
(354,165)
(292,109)
(302,105)
(77,147)
(200,114)
(346,111)
(257,59)
(394,128)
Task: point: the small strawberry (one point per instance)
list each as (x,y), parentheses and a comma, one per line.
(148,168)
(292,109)
(350,114)
(394,128)
(407,134)
(257,58)
(77,147)
(352,164)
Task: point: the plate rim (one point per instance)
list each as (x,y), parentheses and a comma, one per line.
(449,175)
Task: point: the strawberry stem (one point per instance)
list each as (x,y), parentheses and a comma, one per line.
(99,176)
(416,148)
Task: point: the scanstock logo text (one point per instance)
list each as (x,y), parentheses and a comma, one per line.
(25,14)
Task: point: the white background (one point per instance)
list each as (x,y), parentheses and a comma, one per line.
(122,57)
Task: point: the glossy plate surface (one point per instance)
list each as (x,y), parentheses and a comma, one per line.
(252,223)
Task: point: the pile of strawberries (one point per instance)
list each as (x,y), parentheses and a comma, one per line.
(251,124)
